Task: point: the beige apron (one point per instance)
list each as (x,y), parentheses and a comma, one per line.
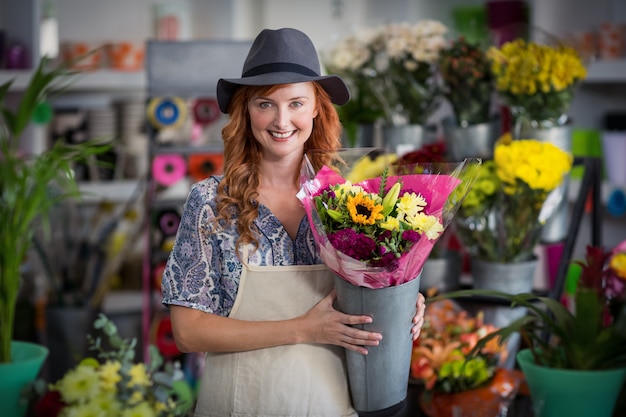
(292,380)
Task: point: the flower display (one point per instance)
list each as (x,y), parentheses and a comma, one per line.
(113,385)
(468,83)
(440,355)
(514,194)
(378,232)
(391,71)
(537,81)
(593,335)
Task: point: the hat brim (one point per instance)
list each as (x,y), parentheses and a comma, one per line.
(332,84)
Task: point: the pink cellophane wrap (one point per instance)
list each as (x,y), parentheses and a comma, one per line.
(435,188)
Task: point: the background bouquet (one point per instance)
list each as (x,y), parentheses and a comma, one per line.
(537,81)
(468,83)
(440,355)
(501,218)
(391,71)
(379,232)
(114,385)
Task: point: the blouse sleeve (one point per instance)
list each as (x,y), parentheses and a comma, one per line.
(192,273)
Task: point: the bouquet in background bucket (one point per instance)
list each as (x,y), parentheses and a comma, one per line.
(374,232)
(514,195)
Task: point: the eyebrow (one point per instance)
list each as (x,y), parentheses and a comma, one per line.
(291,99)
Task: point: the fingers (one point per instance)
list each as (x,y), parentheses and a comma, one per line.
(418,319)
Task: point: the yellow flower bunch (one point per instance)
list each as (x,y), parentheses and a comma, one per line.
(114,385)
(539,165)
(537,80)
(501,218)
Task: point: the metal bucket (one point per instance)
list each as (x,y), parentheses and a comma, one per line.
(442,274)
(512,278)
(475,141)
(379,380)
(406,138)
(555,229)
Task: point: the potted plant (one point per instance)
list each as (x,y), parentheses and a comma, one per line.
(30,185)
(452,379)
(575,360)
(469,87)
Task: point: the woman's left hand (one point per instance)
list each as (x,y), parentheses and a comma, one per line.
(418,319)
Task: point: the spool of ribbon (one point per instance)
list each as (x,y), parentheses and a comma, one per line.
(166,112)
(616,204)
(168,221)
(163,337)
(203,165)
(168,169)
(206,111)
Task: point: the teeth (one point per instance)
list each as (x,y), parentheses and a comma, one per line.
(281,135)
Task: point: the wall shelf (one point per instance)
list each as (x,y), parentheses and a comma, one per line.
(103,80)
(607,71)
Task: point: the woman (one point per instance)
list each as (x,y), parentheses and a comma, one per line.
(244,281)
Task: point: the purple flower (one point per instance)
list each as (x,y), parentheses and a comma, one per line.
(388,260)
(356,245)
(411,236)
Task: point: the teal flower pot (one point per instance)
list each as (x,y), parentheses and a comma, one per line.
(27,359)
(571,393)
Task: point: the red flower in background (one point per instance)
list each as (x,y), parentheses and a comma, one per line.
(50,405)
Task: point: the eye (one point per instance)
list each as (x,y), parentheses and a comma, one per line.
(297,104)
(265,104)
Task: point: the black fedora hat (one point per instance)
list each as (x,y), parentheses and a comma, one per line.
(281,56)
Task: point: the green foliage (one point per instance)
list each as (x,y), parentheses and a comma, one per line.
(30,185)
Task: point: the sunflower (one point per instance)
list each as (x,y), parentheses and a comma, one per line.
(363,209)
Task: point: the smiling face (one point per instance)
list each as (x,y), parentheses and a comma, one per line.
(282,120)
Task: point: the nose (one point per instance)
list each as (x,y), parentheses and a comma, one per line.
(281,118)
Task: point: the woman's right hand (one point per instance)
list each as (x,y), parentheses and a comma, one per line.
(326,325)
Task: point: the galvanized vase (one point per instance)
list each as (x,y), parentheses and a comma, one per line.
(512,278)
(406,138)
(555,229)
(474,141)
(379,380)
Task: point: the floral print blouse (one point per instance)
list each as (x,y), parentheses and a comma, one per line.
(203,271)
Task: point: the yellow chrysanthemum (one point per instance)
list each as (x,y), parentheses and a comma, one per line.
(79,385)
(433,228)
(540,165)
(107,404)
(140,410)
(536,79)
(89,409)
(110,375)
(138,375)
(363,209)
(410,204)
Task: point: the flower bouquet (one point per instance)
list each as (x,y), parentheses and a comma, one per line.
(392,68)
(468,84)
(375,235)
(453,379)
(113,385)
(537,81)
(501,218)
